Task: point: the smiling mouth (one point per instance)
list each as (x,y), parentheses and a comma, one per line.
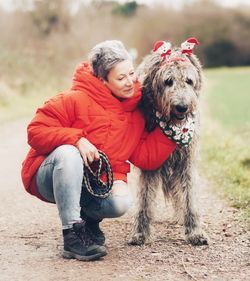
(130,89)
(179,117)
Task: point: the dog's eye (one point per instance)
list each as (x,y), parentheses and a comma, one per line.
(169,82)
(189,82)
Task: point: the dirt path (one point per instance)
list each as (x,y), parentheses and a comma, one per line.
(31,242)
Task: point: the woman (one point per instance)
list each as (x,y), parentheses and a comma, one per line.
(99,113)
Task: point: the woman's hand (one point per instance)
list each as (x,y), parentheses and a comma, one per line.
(88,151)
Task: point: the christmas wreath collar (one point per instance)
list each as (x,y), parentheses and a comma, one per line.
(181,133)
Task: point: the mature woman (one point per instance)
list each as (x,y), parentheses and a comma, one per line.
(99,113)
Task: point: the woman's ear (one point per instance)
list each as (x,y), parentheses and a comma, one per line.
(103,80)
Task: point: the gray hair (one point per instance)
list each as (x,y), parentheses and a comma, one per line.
(105,55)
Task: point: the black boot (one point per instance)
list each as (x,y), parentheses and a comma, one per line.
(93,226)
(98,235)
(79,244)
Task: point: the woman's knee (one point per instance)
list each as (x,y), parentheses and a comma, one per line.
(62,167)
(119,205)
(111,207)
(121,198)
(68,157)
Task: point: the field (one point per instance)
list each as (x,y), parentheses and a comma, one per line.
(225,157)
(34,237)
(225,137)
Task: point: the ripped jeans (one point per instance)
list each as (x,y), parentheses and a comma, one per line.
(59,180)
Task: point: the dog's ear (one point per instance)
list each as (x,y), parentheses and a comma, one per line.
(196,63)
(146,105)
(146,74)
(187,49)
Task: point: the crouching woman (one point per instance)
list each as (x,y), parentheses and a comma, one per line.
(98,113)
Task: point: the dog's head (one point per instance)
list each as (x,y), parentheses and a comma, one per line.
(171,81)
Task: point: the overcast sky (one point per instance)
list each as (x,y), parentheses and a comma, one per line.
(8,4)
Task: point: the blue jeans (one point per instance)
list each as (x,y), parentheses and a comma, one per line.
(59,180)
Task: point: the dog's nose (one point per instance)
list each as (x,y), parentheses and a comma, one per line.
(181,108)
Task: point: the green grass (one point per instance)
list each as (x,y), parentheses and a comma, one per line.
(229,96)
(21,106)
(18,106)
(27,80)
(225,140)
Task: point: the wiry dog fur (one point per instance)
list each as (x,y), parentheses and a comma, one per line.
(164,88)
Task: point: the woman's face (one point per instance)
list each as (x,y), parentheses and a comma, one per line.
(121,80)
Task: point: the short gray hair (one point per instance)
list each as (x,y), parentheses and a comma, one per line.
(105,55)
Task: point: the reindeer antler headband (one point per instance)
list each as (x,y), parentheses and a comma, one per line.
(163,48)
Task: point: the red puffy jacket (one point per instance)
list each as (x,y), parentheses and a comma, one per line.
(90,110)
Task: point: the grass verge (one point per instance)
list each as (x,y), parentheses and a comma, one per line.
(225,138)
(226,164)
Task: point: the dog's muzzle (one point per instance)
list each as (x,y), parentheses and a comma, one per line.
(180,111)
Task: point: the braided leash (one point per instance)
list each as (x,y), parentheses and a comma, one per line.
(92,181)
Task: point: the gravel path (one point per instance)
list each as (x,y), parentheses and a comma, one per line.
(31,242)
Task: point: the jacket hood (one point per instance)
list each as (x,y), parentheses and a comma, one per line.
(85,81)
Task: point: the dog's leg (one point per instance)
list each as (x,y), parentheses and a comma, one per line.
(146,196)
(193,232)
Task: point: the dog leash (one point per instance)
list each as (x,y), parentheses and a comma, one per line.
(92,180)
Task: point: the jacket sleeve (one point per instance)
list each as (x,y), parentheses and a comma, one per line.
(152,151)
(51,126)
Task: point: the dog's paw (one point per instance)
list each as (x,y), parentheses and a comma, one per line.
(137,239)
(198,239)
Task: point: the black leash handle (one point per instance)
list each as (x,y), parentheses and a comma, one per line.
(92,181)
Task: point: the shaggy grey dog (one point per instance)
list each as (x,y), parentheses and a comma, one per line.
(171,85)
